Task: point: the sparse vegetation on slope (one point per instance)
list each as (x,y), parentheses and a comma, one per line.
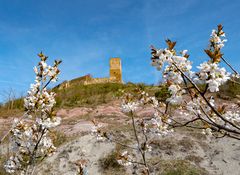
(95,94)
(179,167)
(110,166)
(230,89)
(77,95)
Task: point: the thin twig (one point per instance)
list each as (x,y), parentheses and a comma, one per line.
(225,61)
(138,142)
(122,144)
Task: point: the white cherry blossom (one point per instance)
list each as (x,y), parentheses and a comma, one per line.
(29,135)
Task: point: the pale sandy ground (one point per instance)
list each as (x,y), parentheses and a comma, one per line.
(218,157)
(84,147)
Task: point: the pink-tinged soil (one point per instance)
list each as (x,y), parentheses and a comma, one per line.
(216,156)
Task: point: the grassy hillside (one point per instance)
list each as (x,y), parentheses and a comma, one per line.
(84,95)
(95,94)
(230,89)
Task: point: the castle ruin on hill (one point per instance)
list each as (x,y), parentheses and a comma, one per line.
(115,76)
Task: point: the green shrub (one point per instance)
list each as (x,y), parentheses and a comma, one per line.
(230,89)
(162,94)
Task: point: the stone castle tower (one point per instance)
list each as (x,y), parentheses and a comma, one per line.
(115,70)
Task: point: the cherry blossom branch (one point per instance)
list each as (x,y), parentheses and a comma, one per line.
(220,126)
(121,144)
(32,159)
(202,95)
(209,118)
(145,148)
(185,82)
(30,132)
(186,124)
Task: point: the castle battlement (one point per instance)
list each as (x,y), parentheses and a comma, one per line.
(115,76)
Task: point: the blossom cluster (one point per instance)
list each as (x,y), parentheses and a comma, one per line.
(217,38)
(197,105)
(38,96)
(171,74)
(162,55)
(129,106)
(97,132)
(125,159)
(232,116)
(212,75)
(30,138)
(158,124)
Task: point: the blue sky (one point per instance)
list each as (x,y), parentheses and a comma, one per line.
(86,33)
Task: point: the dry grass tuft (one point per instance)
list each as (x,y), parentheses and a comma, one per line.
(58,138)
(164,144)
(178,167)
(2,161)
(110,166)
(186,143)
(195,159)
